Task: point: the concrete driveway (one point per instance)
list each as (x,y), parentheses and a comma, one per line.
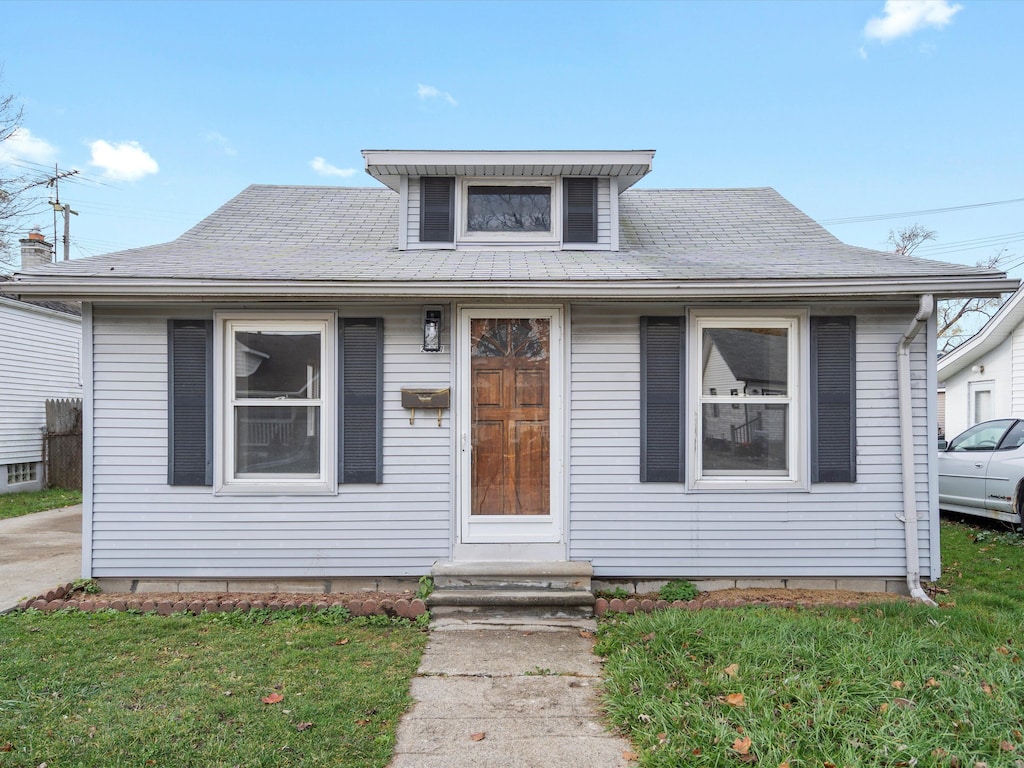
(39,552)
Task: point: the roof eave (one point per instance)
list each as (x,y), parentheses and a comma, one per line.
(389,165)
(991,335)
(126,290)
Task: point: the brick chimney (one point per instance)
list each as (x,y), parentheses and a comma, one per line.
(35,251)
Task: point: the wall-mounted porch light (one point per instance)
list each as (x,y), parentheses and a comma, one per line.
(433,321)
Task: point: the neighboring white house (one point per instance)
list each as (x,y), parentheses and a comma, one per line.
(40,350)
(502,357)
(983,378)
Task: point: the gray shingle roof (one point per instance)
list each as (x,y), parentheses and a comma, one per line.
(297,233)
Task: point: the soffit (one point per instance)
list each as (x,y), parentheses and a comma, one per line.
(389,165)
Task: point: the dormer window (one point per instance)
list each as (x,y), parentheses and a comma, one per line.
(508,209)
(508,199)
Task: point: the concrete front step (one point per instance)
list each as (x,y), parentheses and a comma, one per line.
(526,575)
(521,588)
(510,597)
(504,603)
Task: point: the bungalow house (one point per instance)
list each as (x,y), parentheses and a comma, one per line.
(502,363)
(40,344)
(983,378)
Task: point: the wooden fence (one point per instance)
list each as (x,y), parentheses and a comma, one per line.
(63,443)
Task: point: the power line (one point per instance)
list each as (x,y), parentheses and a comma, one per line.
(926,212)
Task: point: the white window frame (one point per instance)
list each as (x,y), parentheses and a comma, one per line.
(226,324)
(797,324)
(552,237)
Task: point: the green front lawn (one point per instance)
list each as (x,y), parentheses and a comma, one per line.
(26,502)
(123,689)
(887,684)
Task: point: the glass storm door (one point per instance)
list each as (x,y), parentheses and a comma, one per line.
(511,368)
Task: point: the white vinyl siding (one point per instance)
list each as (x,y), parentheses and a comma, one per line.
(1016,373)
(39,360)
(142,527)
(626,528)
(604,218)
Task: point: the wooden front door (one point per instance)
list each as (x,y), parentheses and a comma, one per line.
(511,439)
(511,367)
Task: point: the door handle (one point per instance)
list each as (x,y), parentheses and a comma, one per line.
(979,465)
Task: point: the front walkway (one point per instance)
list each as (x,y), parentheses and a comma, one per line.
(508,695)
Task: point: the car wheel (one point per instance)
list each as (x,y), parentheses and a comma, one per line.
(1018,507)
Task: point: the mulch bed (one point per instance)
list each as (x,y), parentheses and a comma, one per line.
(406,605)
(66,597)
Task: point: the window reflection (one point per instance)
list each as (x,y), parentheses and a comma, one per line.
(509,209)
(745,432)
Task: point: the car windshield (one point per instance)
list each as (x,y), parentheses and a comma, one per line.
(982,437)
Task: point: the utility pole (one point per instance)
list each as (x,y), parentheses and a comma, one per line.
(54,181)
(66,209)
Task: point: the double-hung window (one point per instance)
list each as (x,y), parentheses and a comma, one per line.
(751,400)
(277,426)
(758,401)
(747,390)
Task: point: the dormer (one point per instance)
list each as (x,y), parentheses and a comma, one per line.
(535,200)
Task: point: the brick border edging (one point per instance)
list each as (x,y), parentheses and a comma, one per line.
(59,598)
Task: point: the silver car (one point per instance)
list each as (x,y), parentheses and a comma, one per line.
(981,471)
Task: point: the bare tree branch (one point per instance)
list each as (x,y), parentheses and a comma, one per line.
(13,205)
(906,240)
(957,319)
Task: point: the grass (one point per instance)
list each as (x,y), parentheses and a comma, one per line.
(123,689)
(886,684)
(26,502)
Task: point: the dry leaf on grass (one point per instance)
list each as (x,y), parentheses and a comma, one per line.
(273,698)
(732,670)
(303,726)
(734,700)
(742,746)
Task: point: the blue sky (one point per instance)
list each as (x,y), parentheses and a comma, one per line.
(849,109)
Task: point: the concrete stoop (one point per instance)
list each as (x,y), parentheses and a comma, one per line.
(506,589)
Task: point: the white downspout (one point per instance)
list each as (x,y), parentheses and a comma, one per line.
(907,448)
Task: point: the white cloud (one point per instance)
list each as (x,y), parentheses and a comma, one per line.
(324,168)
(430,92)
(22,145)
(220,140)
(126,161)
(905,17)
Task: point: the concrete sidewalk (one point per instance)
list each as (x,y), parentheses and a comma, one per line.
(39,552)
(494,694)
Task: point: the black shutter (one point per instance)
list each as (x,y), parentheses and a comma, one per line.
(437,209)
(190,402)
(360,401)
(833,400)
(662,393)
(580,218)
